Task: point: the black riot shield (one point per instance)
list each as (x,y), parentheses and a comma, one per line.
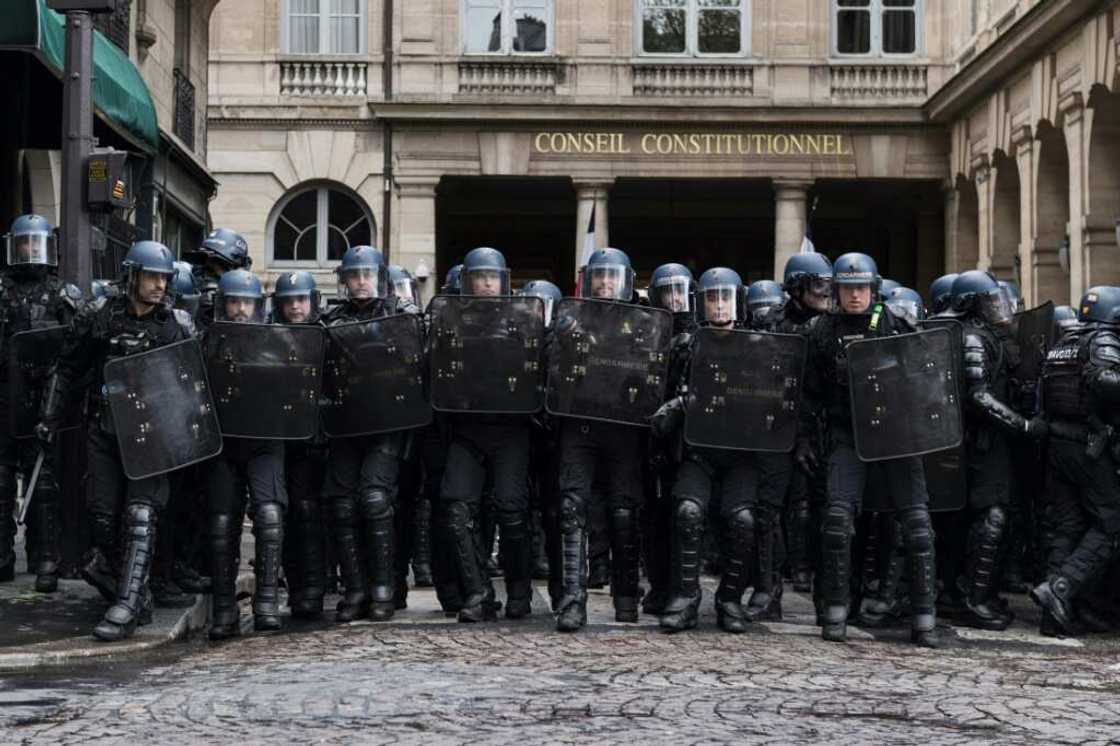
(266,378)
(744,390)
(905,394)
(486,354)
(946,473)
(1033,332)
(30,357)
(374,378)
(610,361)
(162,409)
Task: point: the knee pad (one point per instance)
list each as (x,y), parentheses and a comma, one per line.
(623,516)
(268,516)
(995,519)
(457,515)
(140,520)
(688,516)
(342,508)
(836,527)
(802,511)
(741,522)
(221,525)
(377,505)
(917,528)
(572,512)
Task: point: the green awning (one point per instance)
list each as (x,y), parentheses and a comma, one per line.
(120,95)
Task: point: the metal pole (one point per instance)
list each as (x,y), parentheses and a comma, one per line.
(77,143)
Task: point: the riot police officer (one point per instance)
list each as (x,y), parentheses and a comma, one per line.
(32,297)
(127,324)
(941,293)
(984,308)
(612,452)
(296,300)
(907,303)
(1081,388)
(259,464)
(1064,318)
(763,296)
(856,285)
(488,449)
(671,288)
(707,475)
(362,471)
(221,251)
(183,291)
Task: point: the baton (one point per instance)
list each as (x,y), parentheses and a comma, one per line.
(29,490)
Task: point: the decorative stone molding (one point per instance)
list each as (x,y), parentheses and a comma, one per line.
(1071,106)
(880,82)
(1020,136)
(980,166)
(508,77)
(322,78)
(663,80)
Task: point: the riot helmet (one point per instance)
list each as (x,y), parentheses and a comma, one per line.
(808,279)
(485,273)
(240,297)
(762,296)
(608,275)
(851,273)
(363,275)
(1013,293)
(977,293)
(453,282)
(183,290)
(671,287)
(102,289)
(549,294)
(1100,304)
(1064,318)
(907,302)
(886,285)
(148,267)
(941,292)
(31,242)
(223,250)
(720,297)
(404,284)
(295,298)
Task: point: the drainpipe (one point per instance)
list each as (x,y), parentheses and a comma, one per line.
(387,127)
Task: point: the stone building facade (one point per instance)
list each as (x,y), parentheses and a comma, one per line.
(936,135)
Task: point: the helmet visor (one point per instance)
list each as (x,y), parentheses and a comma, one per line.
(364,283)
(406,287)
(719,304)
(608,282)
(996,306)
(908,309)
(296,308)
(40,249)
(239,308)
(485,282)
(672,294)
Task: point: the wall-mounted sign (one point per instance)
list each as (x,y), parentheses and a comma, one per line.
(692,143)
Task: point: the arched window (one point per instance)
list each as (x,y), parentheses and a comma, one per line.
(317,224)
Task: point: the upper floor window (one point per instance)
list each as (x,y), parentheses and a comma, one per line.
(316,225)
(508,26)
(871,27)
(324,26)
(694,27)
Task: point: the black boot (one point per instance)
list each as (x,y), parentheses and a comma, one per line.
(834,580)
(983,610)
(354,603)
(7,524)
(268,529)
(474,580)
(44,524)
(307,586)
(516,555)
(739,530)
(882,608)
(624,559)
(225,555)
(100,566)
(766,601)
(572,605)
(681,611)
(377,516)
(917,531)
(422,543)
(797,541)
(131,607)
(1055,596)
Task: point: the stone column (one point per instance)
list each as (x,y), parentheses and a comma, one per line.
(791,197)
(1072,112)
(952,201)
(1023,150)
(592,196)
(981,177)
(414,226)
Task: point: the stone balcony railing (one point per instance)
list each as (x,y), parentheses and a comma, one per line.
(509,77)
(322,78)
(713,80)
(879,83)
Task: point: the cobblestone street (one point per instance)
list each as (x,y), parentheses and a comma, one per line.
(425,679)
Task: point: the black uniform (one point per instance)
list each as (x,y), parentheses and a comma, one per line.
(1081,402)
(361,488)
(30,298)
(827,390)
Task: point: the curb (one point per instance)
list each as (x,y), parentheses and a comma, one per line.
(167,626)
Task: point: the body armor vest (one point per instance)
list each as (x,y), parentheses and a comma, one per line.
(1064,394)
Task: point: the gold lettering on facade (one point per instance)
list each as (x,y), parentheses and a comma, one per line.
(692,144)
